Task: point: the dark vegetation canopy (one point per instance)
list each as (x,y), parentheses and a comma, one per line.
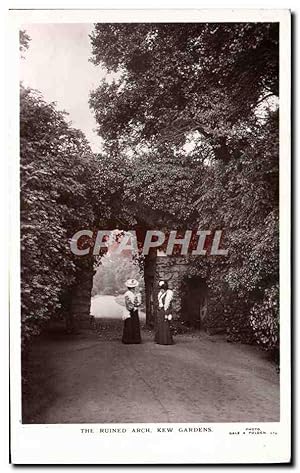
(189,118)
(65,187)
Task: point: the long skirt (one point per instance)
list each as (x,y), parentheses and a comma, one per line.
(131,330)
(163,334)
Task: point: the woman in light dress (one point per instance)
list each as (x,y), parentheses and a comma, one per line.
(131,330)
(163,334)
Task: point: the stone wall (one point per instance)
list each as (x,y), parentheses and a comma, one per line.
(150,278)
(193,305)
(172,269)
(79,312)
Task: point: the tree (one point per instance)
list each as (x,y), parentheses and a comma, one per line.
(174,79)
(64,188)
(24,41)
(188,105)
(112,274)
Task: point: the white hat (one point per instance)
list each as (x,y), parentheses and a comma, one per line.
(161,283)
(131,283)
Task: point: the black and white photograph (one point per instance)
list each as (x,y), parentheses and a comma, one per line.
(153,265)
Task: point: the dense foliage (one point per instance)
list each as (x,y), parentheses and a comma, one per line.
(188,114)
(172,79)
(63,189)
(54,200)
(189,106)
(112,273)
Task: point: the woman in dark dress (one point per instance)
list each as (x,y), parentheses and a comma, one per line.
(131,330)
(163,334)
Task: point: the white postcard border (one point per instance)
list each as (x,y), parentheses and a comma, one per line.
(65,443)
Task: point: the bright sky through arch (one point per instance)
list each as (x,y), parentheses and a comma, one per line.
(57,64)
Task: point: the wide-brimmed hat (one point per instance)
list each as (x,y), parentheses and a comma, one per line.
(131,283)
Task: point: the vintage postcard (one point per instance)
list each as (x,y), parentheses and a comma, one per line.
(150,276)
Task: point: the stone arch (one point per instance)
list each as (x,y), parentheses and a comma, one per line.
(79,295)
(79,298)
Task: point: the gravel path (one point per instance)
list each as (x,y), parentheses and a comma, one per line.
(94,378)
